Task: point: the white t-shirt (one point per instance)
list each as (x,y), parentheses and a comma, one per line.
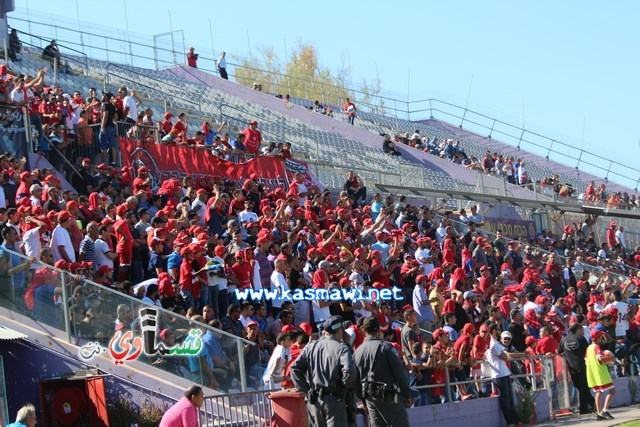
(498,366)
(17,95)
(60,237)
(622,325)
(273,372)
(247,216)
(620,236)
(220,282)
(130,102)
(102,248)
(422,254)
(144,284)
(3,198)
(32,244)
(279,282)
(320,314)
(302,189)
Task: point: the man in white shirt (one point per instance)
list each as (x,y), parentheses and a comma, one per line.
(279,283)
(222,66)
(199,205)
(622,322)
(423,255)
(501,375)
(31,243)
(61,245)
(247,215)
(104,254)
(476,217)
(130,104)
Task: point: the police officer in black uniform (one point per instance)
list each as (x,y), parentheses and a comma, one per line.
(381,381)
(573,347)
(324,371)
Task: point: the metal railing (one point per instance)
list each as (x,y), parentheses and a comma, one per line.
(79,294)
(147,53)
(246,409)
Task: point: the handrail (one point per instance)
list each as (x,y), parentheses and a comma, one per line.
(151,88)
(86,58)
(410,110)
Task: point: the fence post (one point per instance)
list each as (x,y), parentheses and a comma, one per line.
(447,389)
(565,383)
(243,374)
(65,307)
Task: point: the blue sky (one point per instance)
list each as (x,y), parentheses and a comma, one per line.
(571,62)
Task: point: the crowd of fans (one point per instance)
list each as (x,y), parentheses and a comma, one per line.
(188,245)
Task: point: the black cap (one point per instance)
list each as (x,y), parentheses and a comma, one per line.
(333,324)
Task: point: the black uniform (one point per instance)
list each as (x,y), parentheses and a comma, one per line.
(573,348)
(324,370)
(382,383)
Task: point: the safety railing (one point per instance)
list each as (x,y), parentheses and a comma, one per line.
(112,78)
(147,52)
(246,409)
(87,312)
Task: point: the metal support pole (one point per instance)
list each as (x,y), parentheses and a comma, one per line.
(565,383)
(65,307)
(447,386)
(243,374)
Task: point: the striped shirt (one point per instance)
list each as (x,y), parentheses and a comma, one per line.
(265,269)
(88,251)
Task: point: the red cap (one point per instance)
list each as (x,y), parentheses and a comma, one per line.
(252,323)
(438,333)
(104,269)
(64,216)
(121,210)
(103,166)
(306,328)
(73,205)
(62,264)
(143,169)
(253,122)
(530,340)
(86,160)
(167,115)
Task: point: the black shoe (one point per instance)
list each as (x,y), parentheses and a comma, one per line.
(600,417)
(607,415)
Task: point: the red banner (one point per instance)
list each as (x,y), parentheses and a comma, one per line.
(167,161)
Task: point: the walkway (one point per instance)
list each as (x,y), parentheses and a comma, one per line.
(622,414)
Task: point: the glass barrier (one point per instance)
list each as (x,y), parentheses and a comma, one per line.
(100,319)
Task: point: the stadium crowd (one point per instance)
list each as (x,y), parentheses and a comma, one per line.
(188,245)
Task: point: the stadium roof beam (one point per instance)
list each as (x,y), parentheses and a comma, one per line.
(427,193)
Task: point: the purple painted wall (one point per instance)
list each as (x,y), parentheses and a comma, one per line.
(27,365)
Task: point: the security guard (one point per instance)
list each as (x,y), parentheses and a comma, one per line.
(324,370)
(383,384)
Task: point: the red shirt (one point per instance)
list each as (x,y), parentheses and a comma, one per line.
(377,276)
(479,347)
(242,271)
(167,126)
(547,345)
(252,140)
(319,279)
(138,185)
(123,234)
(188,281)
(462,340)
(179,128)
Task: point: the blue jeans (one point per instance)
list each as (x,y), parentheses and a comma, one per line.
(506,399)
(188,299)
(108,138)
(212,299)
